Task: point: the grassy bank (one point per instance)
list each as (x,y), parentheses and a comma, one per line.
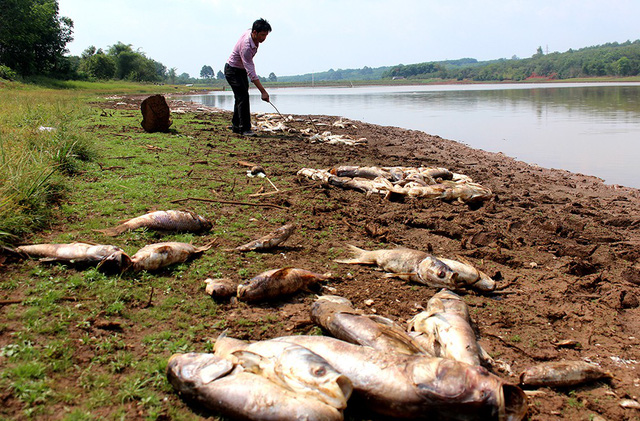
(42,141)
(79,344)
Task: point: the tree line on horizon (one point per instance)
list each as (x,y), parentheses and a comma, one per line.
(33,39)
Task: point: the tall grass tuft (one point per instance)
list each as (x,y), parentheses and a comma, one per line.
(39,143)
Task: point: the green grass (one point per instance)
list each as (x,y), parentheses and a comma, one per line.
(81,344)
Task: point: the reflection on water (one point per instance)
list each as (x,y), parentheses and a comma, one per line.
(591,129)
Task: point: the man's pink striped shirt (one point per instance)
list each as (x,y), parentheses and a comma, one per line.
(242,55)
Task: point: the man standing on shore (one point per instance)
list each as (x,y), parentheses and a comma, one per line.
(238,68)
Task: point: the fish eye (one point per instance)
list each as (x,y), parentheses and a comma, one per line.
(320,371)
(441,274)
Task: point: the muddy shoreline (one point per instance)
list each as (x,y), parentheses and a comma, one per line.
(564,247)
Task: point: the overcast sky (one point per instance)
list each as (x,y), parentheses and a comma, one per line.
(318,35)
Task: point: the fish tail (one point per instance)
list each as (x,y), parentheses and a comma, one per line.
(206,246)
(359,256)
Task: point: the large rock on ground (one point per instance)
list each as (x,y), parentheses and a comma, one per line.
(156,116)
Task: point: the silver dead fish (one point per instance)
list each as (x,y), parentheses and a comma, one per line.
(159,255)
(562,374)
(275,283)
(105,256)
(444,329)
(291,366)
(338,316)
(215,383)
(270,240)
(409,264)
(171,220)
(417,386)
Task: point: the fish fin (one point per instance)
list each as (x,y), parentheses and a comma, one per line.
(250,361)
(393,331)
(112,232)
(434,307)
(213,372)
(465,260)
(405,276)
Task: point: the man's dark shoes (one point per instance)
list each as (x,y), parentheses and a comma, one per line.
(249,133)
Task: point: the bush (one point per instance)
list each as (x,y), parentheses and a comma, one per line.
(7,73)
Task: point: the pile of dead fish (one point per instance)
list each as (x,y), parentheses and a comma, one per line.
(272,123)
(389,372)
(433,369)
(111,258)
(335,139)
(435,183)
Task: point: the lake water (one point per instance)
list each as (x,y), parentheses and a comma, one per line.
(585,128)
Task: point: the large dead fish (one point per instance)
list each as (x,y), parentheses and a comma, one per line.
(562,374)
(216,384)
(338,316)
(413,265)
(417,386)
(275,283)
(270,240)
(171,220)
(105,256)
(444,329)
(159,255)
(291,366)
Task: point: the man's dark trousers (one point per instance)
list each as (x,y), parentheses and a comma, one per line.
(239,83)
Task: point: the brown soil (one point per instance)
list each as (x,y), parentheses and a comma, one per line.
(563,247)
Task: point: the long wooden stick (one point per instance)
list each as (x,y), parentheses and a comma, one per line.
(229,202)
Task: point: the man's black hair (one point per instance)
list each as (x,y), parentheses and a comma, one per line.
(261,25)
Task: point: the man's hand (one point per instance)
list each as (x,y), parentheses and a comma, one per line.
(265,96)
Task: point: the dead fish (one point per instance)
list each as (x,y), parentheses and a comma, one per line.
(465,192)
(171,220)
(398,260)
(444,329)
(159,255)
(338,316)
(215,383)
(105,256)
(409,264)
(270,240)
(418,386)
(291,366)
(360,172)
(278,282)
(220,287)
(470,277)
(562,374)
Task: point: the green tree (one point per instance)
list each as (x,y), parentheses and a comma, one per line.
(273,77)
(206,72)
(99,66)
(172,75)
(33,37)
(623,66)
(134,65)
(220,75)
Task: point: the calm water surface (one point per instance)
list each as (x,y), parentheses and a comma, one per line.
(586,128)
